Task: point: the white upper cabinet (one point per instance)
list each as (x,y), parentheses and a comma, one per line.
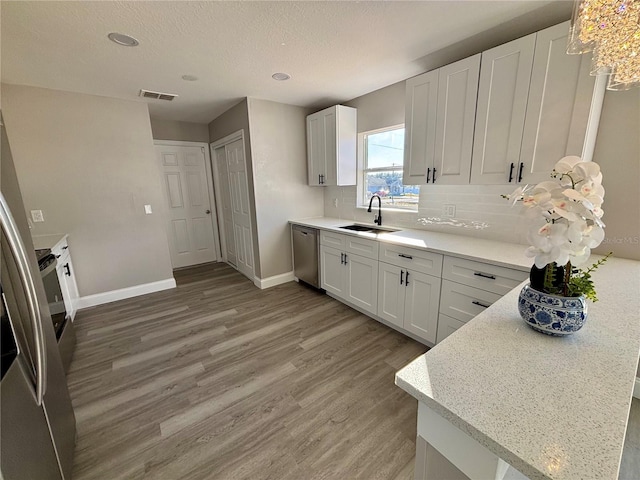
(420,127)
(439,118)
(505,74)
(331,146)
(457,94)
(558,111)
(536,104)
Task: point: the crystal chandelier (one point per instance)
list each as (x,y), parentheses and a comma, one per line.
(611,29)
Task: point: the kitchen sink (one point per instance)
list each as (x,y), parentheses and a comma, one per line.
(367,228)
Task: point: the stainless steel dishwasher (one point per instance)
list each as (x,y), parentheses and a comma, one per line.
(306,243)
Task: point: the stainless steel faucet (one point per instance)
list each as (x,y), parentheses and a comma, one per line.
(377,219)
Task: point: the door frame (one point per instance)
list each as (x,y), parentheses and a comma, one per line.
(210,188)
(237,135)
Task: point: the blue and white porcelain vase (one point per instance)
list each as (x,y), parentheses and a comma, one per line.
(552,314)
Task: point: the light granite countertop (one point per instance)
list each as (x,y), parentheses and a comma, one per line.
(47,241)
(499,253)
(551,407)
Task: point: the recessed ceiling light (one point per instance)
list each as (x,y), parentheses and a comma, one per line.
(122,39)
(280,76)
(189,78)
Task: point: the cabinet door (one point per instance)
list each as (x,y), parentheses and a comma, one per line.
(420,127)
(502,101)
(446,326)
(332,271)
(347,137)
(316,149)
(559,104)
(421,305)
(391,293)
(362,282)
(457,94)
(329,120)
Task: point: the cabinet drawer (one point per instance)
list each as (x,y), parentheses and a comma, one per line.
(331,239)
(412,258)
(446,326)
(361,246)
(463,302)
(488,277)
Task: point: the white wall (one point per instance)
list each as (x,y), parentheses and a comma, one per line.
(179,131)
(278,149)
(89,164)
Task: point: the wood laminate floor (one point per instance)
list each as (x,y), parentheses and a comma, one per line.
(218,379)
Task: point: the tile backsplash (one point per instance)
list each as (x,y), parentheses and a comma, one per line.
(479,211)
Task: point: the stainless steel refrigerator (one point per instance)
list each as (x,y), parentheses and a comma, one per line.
(37,424)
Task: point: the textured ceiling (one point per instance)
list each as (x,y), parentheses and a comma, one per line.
(334,51)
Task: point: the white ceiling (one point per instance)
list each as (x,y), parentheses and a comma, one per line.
(334,51)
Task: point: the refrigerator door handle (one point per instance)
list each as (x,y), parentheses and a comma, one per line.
(19,252)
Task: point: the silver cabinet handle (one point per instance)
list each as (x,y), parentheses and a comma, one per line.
(409,257)
(19,251)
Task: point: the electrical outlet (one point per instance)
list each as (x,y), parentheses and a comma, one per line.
(147,209)
(36,216)
(448,210)
(335,202)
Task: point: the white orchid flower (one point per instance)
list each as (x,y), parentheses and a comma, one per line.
(570,205)
(566,164)
(516,195)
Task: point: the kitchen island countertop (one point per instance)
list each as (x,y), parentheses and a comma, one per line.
(552,407)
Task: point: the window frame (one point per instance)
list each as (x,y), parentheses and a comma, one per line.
(362,170)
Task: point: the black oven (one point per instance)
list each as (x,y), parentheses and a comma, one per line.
(47,263)
(62,324)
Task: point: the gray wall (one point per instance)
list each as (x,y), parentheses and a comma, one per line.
(234,119)
(278,149)
(618,153)
(89,164)
(179,131)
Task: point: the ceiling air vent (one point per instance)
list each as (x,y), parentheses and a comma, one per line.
(157,95)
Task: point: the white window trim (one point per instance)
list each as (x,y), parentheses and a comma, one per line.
(361,170)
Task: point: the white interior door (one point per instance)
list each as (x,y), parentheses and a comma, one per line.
(224,199)
(190,216)
(241,213)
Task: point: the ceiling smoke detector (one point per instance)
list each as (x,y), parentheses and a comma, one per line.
(281,76)
(122,39)
(157,95)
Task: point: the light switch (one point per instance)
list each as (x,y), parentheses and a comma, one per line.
(147,209)
(36,216)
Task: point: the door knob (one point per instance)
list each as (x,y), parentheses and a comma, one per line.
(208,212)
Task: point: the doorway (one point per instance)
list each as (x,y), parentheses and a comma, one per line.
(234,207)
(191,219)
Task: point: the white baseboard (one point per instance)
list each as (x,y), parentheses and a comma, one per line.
(636,389)
(121,294)
(269,282)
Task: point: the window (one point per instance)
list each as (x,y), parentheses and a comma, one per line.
(382,163)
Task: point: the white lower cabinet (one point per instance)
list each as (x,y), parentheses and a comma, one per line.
(446,326)
(332,276)
(409,299)
(353,278)
(426,294)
